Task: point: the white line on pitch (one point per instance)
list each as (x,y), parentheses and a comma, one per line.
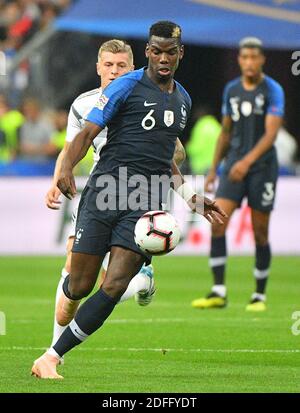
(167,320)
(178,350)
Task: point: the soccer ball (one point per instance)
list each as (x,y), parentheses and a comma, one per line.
(157,232)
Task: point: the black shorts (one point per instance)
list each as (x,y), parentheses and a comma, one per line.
(97,231)
(259,186)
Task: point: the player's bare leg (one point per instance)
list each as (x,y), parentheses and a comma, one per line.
(124,264)
(141,287)
(66,308)
(218,256)
(84,272)
(45,367)
(260,223)
(102,276)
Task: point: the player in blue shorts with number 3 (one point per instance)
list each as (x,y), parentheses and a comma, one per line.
(253,107)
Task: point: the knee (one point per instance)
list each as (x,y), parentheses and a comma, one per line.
(261,240)
(115,288)
(79,289)
(261,236)
(218,230)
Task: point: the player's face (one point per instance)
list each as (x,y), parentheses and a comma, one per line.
(251,61)
(164,56)
(112,65)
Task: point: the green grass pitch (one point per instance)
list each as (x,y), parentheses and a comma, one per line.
(165,347)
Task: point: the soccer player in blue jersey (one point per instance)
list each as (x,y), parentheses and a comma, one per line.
(253,107)
(145,111)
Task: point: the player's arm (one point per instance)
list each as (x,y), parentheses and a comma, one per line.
(53,194)
(198,203)
(73,154)
(179,153)
(73,128)
(220,152)
(241,168)
(104,111)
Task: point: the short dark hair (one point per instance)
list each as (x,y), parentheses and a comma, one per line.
(166,29)
(251,43)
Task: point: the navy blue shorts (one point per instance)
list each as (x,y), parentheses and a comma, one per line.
(259,186)
(97,231)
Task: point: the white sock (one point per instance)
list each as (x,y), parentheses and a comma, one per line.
(219,289)
(261,297)
(139,282)
(52,352)
(57,328)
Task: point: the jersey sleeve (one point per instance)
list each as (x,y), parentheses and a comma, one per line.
(226,108)
(276,100)
(73,126)
(113,96)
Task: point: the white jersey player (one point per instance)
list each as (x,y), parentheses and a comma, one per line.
(114,59)
(79,110)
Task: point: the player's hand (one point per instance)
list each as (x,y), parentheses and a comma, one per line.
(239,170)
(208,208)
(66,183)
(209,183)
(52,198)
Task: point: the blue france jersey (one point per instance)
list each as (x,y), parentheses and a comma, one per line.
(143,124)
(248,110)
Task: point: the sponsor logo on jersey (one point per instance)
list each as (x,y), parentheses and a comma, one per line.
(168,118)
(149,104)
(102,102)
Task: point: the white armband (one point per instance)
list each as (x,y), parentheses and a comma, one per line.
(185,191)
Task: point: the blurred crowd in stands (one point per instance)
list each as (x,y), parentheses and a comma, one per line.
(28,133)
(32,136)
(21,19)
(35,135)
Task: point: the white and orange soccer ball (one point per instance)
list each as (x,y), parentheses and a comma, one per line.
(157,232)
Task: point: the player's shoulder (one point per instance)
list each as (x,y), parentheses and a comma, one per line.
(85,100)
(88,94)
(184,93)
(232,84)
(125,82)
(273,85)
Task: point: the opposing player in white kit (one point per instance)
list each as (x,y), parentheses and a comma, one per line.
(115,58)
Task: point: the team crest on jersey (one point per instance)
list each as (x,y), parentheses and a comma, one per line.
(169,117)
(260,100)
(246,108)
(259,104)
(102,102)
(183,116)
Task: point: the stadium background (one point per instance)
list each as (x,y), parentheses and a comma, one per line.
(50,52)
